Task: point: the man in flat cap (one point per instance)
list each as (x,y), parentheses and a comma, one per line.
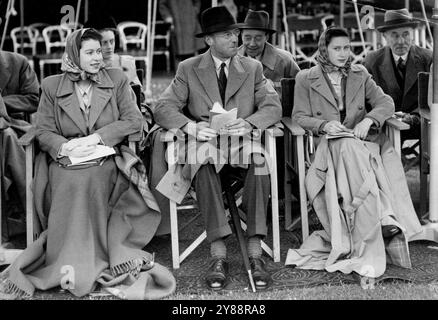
(220,75)
(277,63)
(395,67)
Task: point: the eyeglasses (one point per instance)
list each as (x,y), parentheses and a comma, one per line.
(229,34)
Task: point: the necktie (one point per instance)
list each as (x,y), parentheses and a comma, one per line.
(222,81)
(401,67)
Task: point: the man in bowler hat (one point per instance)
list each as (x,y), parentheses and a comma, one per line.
(220,75)
(277,63)
(395,67)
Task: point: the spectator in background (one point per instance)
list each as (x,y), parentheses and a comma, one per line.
(19,91)
(183,15)
(395,67)
(277,63)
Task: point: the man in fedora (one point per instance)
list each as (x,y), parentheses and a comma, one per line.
(395,67)
(277,63)
(220,75)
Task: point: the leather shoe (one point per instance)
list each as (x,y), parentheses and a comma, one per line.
(390,230)
(259,274)
(217,274)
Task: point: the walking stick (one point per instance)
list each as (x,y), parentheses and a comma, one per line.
(239,232)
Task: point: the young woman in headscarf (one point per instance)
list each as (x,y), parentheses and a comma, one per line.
(96,222)
(356,184)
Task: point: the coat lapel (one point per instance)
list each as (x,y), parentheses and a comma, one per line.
(236,76)
(320,86)
(206,74)
(354,82)
(68,101)
(101,95)
(387,71)
(413,67)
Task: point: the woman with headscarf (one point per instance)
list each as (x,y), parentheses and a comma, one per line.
(356,182)
(96,222)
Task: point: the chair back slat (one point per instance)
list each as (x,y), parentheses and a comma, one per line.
(287,95)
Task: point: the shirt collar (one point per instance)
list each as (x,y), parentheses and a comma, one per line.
(404,57)
(218,62)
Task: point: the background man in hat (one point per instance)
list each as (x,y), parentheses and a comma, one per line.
(277,63)
(220,75)
(19,92)
(395,67)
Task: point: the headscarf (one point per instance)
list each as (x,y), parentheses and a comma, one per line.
(71,62)
(322,57)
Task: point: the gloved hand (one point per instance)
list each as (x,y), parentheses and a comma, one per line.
(411,119)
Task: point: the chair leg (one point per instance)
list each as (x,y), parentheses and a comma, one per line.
(271,145)
(287,183)
(302,188)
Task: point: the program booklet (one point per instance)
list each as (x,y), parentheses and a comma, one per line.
(219,117)
(343,134)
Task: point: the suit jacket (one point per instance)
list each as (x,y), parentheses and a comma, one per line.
(277,63)
(19,86)
(380,66)
(113,114)
(314,103)
(195,89)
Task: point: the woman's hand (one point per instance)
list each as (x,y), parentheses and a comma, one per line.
(333,127)
(80,151)
(362,128)
(80,147)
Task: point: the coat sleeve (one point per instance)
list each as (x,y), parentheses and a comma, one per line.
(168,111)
(302,111)
(266,102)
(130,118)
(382,104)
(47,131)
(26,98)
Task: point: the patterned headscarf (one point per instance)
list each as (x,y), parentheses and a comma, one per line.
(71,62)
(322,57)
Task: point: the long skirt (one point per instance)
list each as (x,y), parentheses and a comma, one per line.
(97,225)
(355,190)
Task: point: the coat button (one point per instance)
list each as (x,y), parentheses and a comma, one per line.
(318,113)
(360,107)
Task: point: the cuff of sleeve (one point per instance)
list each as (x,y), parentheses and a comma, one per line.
(321,128)
(375,122)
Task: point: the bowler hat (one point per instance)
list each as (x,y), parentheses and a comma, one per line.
(397,19)
(216,19)
(256,20)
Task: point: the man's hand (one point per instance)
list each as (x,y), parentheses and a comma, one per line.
(362,128)
(238,127)
(333,127)
(200,130)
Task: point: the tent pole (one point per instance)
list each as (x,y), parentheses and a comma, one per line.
(21,26)
(274,20)
(341,13)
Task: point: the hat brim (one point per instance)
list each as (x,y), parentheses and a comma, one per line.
(243,26)
(412,24)
(220,29)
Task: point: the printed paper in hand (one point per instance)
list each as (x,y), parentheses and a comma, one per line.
(101,151)
(219,117)
(343,134)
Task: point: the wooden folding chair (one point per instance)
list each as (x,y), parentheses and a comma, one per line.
(171,154)
(296,147)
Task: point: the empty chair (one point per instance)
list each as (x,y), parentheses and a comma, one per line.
(132,32)
(25,38)
(54,37)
